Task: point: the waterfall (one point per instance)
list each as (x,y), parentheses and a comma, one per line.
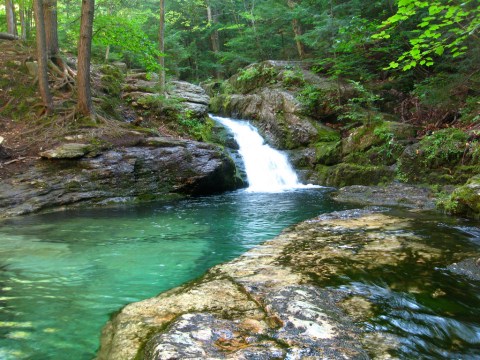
(268,170)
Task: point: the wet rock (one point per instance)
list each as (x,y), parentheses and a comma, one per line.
(468,267)
(163,169)
(67,151)
(408,196)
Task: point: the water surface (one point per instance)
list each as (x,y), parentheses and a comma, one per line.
(62,274)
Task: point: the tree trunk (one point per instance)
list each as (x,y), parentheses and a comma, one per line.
(161,47)
(23,24)
(84,104)
(214,38)
(297,30)
(11,21)
(51,32)
(42,57)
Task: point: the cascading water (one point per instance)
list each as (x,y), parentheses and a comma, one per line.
(268,170)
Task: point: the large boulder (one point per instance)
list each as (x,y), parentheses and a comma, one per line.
(268,94)
(159,169)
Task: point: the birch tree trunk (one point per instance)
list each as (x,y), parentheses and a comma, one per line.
(84,103)
(42,57)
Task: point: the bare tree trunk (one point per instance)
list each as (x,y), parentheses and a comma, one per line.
(23,24)
(214,38)
(11,21)
(84,104)
(297,30)
(51,32)
(42,57)
(161,47)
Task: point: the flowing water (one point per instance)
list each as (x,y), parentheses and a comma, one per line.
(268,170)
(62,274)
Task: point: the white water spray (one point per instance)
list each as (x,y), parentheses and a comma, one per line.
(268,170)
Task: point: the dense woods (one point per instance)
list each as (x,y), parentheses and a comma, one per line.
(416,47)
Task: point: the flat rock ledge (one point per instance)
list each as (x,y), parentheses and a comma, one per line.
(159,168)
(275,302)
(262,305)
(400,195)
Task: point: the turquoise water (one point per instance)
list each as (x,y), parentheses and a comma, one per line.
(62,274)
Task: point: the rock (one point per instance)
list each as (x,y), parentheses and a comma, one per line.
(468,267)
(32,68)
(269,304)
(132,173)
(189,92)
(164,142)
(120,65)
(402,195)
(251,307)
(67,151)
(4,153)
(345,174)
(464,200)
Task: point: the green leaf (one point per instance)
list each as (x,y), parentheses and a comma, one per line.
(439,50)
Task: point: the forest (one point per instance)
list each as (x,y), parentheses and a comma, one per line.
(426,50)
(239,179)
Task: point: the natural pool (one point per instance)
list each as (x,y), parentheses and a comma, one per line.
(62,274)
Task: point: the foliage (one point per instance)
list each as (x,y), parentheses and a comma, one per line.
(361,107)
(444,146)
(440,26)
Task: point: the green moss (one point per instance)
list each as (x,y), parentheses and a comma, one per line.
(327,134)
(438,158)
(352,174)
(253,76)
(328,153)
(464,201)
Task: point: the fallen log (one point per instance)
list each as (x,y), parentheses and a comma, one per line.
(7,36)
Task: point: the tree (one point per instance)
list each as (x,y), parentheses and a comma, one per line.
(51,32)
(42,57)
(440,26)
(297,31)
(161,46)
(84,103)
(11,21)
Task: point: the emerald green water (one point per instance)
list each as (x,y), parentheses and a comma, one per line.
(62,274)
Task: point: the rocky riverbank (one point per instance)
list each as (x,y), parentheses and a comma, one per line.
(338,133)
(272,302)
(157,168)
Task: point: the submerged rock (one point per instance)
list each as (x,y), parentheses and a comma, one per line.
(163,168)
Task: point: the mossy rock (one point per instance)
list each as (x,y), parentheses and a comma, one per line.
(364,137)
(437,158)
(351,174)
(465,200)
(328,153)
(253,76)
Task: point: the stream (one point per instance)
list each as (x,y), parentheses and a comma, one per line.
(63,274)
